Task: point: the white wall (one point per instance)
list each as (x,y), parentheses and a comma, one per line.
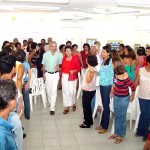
(43,25)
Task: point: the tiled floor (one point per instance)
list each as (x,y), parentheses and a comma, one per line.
(62,132)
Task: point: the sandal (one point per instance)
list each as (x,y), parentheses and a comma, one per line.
(98,127)
(65,111)
(74,108)
(102,131)
(112,137)
(118,140)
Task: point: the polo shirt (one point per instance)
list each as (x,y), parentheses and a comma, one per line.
(51,60)
(7,141)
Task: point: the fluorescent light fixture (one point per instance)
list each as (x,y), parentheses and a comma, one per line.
(40,1)
(6,7)
(133,3)
(28,7)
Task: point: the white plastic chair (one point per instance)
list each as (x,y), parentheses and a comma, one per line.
(80,86)
(38,88)
(138,112)
(98,102)
(33,75)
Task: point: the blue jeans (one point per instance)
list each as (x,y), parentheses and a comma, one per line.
(105,91)
(120,111)
(26,102)
(93,104)
(144,120)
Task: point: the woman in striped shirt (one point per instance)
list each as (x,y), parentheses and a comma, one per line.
(120,90)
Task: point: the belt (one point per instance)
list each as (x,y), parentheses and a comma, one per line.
(52,72)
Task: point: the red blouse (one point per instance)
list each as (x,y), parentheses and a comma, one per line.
(73,64)
(84,57)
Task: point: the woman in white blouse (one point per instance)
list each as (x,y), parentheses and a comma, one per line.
(143,79)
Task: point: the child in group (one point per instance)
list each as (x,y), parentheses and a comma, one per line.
(89,89)
(8,96)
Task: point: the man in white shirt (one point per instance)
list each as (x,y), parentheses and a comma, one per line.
(52,59)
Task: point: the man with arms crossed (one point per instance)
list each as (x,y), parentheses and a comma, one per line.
(52,60)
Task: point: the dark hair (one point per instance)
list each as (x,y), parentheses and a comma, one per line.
(7,50)
(109,46)
(118,66)
(39,44)
(92,60)
(4,44)
(114,53)
(68,46)
(122,45)
(7,63)
(107,49)
(18,43)
(20,56)
(68,42)
(131,55)
(61,46)
(8,92)
(148,59)
(25,41)
(140,51)
(12,60)
(33,45)
(2,54)
(86,44)
(74,45)
(129,49)
(148,47)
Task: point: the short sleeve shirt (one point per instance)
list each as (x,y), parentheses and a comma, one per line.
(51,60)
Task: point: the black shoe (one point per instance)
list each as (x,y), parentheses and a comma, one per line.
(24,135)
(84,126)
(27,118)
(90,123)
(52,112)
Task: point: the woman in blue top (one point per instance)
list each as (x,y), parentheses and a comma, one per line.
(8,95)
(106,74)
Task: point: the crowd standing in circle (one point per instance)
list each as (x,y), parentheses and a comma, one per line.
(113,72)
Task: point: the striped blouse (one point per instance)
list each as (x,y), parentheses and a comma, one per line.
(121,87)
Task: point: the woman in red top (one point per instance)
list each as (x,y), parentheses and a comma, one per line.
(84,54)
(147,54)
(69,71)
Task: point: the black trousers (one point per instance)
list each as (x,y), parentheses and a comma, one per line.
(86,103)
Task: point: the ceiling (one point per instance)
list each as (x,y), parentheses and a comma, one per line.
(103,7)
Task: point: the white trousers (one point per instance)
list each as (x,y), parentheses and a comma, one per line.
(51,88)
(68,90)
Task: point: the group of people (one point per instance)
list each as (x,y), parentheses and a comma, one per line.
(112,72)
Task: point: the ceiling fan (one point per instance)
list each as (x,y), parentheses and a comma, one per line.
(109,11)
(75,17)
